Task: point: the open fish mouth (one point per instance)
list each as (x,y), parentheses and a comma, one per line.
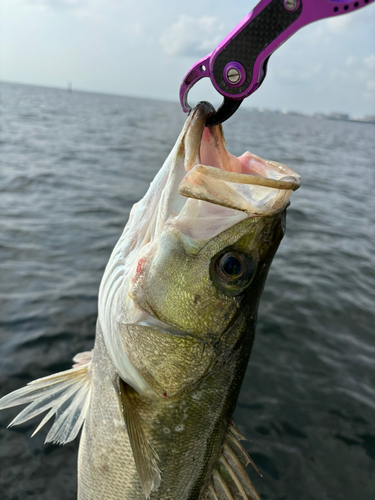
(247,183)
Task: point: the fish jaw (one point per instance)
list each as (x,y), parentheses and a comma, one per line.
(247,183)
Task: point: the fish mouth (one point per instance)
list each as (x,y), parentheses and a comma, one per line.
(246,183)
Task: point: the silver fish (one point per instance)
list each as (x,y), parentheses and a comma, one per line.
(177,311)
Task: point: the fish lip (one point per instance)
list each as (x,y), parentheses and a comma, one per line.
(165,327)
(288,182)
(194,129)
(246,183)
(153,321)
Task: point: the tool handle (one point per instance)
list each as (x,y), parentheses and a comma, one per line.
(244,54)
(237,67)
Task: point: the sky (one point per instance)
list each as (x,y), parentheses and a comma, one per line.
(144,48)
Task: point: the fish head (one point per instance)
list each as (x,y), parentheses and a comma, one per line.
(200,290)
(198,250)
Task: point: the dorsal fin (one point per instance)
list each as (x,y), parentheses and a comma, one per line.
(233,438)
(65,394)
(229,479)
(145,457)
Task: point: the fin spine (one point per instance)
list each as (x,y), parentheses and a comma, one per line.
(229,469)
(229,479)
(240,472)
(235,431)
(65,394)
(145,457)
(241,453)
(212,491)
(222,486)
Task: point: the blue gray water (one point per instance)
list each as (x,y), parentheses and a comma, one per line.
(72,165)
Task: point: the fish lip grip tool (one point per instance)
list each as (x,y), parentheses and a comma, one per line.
(238,66)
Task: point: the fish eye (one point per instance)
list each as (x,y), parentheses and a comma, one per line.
(232,272)
(230,265)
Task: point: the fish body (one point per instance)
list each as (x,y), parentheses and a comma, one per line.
(177,312)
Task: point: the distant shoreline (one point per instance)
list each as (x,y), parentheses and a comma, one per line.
(336,116)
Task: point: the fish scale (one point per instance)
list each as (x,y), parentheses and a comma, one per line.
(185,458)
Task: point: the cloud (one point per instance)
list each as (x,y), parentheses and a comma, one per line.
(192,37)
(84,7)
(57,4)
(338,24)
(298,71)
(351,60)
(370,62)
(361,69)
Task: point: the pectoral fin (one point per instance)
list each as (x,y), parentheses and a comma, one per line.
(66,394)
(145,457)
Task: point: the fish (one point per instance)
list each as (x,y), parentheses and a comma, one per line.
(177,311)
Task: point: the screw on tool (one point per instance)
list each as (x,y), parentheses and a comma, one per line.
(291,5)
(234,74)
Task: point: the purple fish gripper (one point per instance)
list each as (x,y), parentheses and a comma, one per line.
(237,67)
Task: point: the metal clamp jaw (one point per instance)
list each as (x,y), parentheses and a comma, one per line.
(238,66)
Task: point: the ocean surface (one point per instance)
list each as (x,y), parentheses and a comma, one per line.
(72,166)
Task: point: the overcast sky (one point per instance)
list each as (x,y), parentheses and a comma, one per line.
(145,47)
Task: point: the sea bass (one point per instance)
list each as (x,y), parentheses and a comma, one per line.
(177,311)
